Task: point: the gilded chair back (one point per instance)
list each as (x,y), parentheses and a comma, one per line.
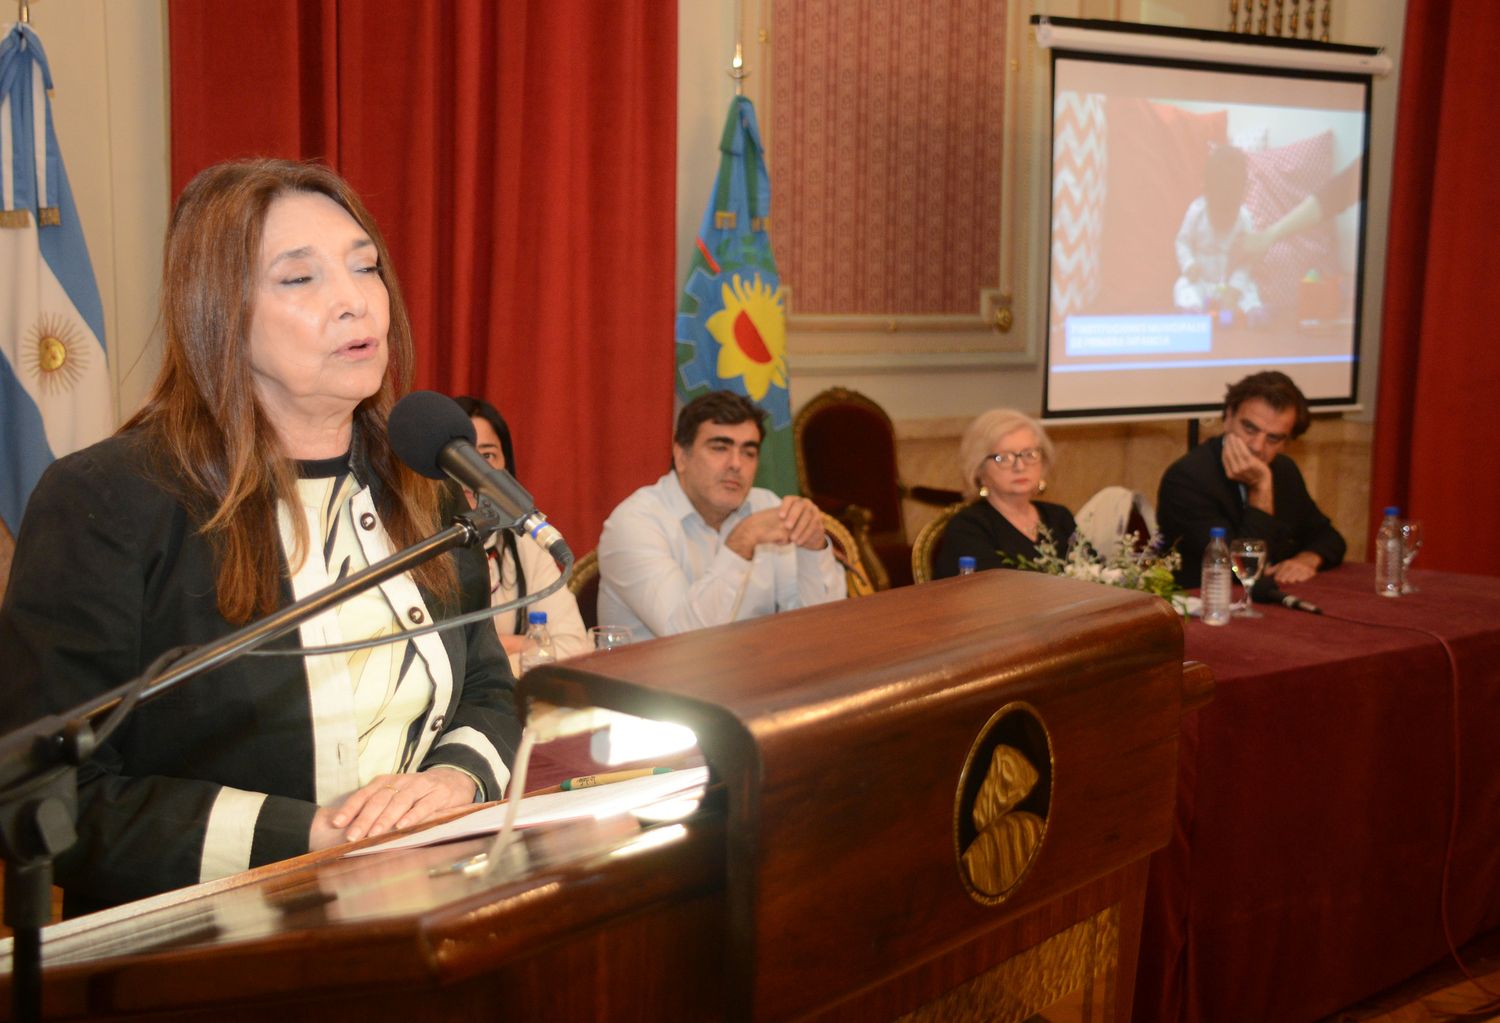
(846,550)
(584,583)
(846,449)
(846,463)
(924,548)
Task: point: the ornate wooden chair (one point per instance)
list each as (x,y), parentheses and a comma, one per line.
(846,463)
(846,550)
(925,546)
(584,582)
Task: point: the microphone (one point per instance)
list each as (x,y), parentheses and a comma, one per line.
(1265,591)
(431,434)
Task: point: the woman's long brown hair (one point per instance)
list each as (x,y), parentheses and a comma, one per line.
(203,414)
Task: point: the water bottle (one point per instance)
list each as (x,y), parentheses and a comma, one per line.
(1216,576)
(541,650)
(966,565)
(1388,560)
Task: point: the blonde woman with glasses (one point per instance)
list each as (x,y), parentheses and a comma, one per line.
(1006,457)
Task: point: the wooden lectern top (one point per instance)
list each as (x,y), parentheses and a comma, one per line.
(852,740)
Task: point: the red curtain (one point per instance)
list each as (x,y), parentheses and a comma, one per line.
(1439,364)
(520,159)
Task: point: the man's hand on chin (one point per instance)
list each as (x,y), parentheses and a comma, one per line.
(1241,465)
(1297,569)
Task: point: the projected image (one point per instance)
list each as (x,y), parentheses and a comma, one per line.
(1197,236)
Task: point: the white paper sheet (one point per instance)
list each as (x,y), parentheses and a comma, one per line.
(597,802)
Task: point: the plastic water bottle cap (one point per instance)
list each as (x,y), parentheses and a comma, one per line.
(1217,533)
(1392,511)
(966,564)
(536,617)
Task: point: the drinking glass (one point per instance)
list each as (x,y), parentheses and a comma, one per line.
(607,637)
(1247,558)
(1411,543)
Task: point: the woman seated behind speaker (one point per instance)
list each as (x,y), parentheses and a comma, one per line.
(520,565)
(257,472)
(1006,456)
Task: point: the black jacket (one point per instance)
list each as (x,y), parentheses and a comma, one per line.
(1196,495)
(109,572)
(981,532)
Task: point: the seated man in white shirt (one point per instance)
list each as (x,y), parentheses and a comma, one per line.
(701,546)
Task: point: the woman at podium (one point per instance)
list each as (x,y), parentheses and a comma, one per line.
(257,472)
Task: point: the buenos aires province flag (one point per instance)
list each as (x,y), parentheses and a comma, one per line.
(54,378)
(731,323)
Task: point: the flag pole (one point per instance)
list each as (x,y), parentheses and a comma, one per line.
(737,65)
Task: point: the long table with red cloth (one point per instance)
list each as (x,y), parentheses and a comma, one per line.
(1314,803)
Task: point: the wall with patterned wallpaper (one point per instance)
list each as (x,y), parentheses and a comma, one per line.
(888,121)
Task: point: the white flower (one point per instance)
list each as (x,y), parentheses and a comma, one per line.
(1149,570)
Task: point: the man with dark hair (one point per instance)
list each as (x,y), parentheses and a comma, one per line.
(1240,480)
(702,546)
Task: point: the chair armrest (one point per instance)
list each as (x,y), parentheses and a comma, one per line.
(940,497)
(856,516)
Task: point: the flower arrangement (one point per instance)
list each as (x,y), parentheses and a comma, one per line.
(1149,570)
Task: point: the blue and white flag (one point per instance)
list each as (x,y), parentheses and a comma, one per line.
(54,377)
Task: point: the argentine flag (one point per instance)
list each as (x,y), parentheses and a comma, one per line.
(54,378)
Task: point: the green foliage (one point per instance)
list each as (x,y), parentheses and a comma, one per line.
(1150,570)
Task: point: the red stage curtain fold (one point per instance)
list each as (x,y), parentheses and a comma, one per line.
(520,159)
(1439,368)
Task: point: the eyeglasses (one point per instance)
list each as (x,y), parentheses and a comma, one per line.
(1005,459)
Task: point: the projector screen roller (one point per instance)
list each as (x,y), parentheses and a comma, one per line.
(1207,223)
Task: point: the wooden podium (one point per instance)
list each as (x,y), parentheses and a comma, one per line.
(932,803)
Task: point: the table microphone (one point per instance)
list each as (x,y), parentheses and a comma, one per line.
(433,436)
(1265,591)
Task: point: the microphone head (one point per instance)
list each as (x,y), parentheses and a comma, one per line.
(421,425)
(1265,591)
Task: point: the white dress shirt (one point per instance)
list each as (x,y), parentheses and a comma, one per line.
(664,570)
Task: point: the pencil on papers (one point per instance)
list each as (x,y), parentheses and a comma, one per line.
(588,781)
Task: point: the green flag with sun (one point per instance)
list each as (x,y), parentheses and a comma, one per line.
(731,323)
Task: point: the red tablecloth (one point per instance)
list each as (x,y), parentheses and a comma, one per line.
(1314,801)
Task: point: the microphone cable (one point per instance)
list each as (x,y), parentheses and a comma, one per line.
(468,618)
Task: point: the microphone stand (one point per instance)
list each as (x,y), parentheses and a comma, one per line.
(39,762)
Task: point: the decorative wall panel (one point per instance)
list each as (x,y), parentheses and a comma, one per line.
(887,119)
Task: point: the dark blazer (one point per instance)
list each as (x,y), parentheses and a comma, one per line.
(1196,495)
(110,572)
(982,533)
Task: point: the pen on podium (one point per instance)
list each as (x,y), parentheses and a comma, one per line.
(588,781)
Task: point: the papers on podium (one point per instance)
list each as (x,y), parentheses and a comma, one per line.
(553,807)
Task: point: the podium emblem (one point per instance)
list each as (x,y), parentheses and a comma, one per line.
(1004,796)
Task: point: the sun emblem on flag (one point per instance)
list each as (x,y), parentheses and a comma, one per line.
(54,353)
(751,332)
